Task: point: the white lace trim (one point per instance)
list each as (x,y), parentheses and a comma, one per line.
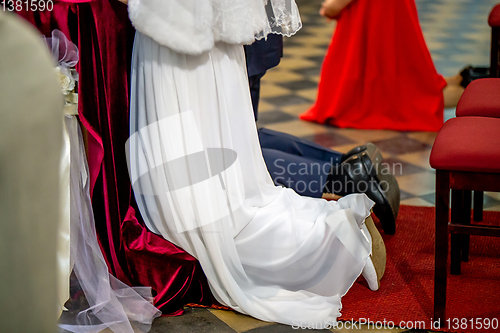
(193,26)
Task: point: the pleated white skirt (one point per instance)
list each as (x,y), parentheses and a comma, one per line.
(201,182)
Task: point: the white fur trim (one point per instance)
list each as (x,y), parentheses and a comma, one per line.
(182,25)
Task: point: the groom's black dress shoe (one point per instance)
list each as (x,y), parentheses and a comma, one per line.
(363,172)
(370,148)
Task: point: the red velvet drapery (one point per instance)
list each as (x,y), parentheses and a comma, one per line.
(104,36)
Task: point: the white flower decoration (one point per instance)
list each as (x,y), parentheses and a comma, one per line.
(66,79)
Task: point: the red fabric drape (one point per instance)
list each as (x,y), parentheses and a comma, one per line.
(104,36)
(378,72)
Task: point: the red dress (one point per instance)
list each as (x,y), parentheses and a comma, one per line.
(378,72)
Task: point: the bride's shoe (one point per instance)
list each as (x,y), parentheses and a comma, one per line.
(375,264)
(370,274)
(331,196)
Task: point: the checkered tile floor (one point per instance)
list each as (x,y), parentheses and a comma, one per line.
(457,34)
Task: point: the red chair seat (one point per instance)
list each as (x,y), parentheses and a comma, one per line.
(480,98)
(494,18)
(468,144)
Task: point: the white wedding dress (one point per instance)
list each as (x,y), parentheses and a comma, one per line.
(201,182)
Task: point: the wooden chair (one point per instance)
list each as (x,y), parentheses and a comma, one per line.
(466,156)
(472,103)
(481,98)
(455,157)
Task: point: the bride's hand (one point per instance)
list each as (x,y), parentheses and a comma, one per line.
(124,1)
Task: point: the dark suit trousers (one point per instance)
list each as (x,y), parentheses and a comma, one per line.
(296,163)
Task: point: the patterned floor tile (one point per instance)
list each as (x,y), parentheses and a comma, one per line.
(425,137)
(265,107)
(284,100)
(366,135)
(490,202)
(418,183)
(405,196)
(271,117)
(317,58)
(312,22)
(298,128)
(297,109)
(298,85)
(325,30)
(277,75)
(416,202)
(314,78)
(273,90)
(309,71)
(329,139)
(303,52)
(420,159)
(312,40)
(493,208)
(401,145)
(240,322)
(193,320)
(399,167)
(310,94)
(430,198)
(494,195)
(294,63)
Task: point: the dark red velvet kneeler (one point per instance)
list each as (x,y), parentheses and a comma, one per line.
(136,256)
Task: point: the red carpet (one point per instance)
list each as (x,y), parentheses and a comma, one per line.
(405,297)
(406,293)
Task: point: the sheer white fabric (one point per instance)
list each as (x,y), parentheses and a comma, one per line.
(62,49)
(111,304)
(201,182)
(65,53)
(193,26)
(63,235)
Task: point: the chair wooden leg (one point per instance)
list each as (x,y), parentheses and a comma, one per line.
(457,198)
(466,216)
(478,205)
(441,243)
